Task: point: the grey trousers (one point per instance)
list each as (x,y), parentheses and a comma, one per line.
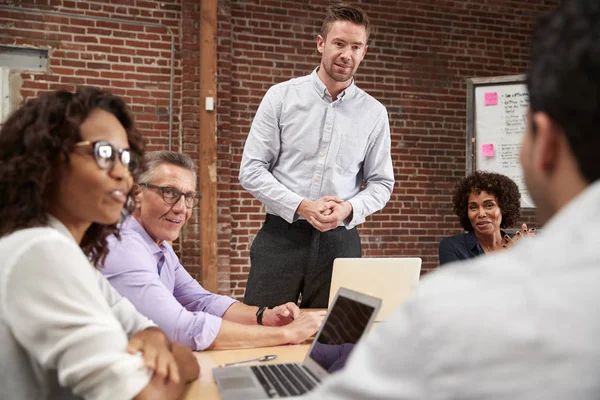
(287,260)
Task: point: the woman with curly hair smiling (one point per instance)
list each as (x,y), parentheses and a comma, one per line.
(67,163)
(485,203)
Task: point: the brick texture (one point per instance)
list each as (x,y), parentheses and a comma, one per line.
(420,54)
(133,61)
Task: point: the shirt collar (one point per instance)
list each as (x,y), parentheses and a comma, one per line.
(324,93)
(571,215)
(473,243)
(55,223)
(131,223)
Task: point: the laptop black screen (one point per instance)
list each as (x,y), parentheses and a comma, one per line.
(343,327)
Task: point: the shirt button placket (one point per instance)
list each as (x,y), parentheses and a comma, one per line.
(315,191)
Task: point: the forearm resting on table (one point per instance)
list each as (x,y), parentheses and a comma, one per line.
(233,335)
(241,314)
(160,388)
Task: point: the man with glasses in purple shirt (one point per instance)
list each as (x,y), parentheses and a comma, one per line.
(143,267)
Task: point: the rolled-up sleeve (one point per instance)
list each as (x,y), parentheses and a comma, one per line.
(194,297)
(57,311)
(132,270)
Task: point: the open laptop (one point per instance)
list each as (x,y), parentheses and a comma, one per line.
(350,315)
(391,279)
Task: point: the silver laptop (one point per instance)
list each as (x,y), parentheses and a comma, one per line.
(393,280)
(350,315)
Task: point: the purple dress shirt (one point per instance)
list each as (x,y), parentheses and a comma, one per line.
(152,278)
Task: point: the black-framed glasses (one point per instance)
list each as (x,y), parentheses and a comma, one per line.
(172,195)
(106,155)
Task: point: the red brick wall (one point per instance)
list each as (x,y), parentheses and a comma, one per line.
(132,61)
(419,56)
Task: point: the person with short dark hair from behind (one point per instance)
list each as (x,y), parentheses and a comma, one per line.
(485,204)
(67,164)
(521,324)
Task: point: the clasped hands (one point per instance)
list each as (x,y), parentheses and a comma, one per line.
(326,213)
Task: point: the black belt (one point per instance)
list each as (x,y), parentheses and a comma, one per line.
(300,223)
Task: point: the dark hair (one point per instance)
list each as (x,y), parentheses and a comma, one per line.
(33,140)
(345,12)
(502,187)
(564,77)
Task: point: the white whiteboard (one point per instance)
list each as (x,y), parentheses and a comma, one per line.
(499,124)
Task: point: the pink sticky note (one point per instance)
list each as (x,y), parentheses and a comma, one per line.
(491,98)
(487,150)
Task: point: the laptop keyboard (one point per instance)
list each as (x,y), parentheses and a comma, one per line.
(284,380)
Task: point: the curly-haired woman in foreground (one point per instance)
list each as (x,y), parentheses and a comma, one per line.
(67,162)
(485,203)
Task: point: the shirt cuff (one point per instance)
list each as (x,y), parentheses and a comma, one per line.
(219,306)
(288,211)
(357,213)
(207,335)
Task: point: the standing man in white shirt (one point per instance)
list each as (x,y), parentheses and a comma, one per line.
(520,324)
(313,142)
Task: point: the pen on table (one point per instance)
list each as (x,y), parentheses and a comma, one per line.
(264,358)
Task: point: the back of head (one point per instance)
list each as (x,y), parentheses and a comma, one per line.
(345,12)
(153,159)
(564,77)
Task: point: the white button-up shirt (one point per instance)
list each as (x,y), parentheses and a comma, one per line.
(63,328)
(519,324)
(302,145)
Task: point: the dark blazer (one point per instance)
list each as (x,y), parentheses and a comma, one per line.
(460,247)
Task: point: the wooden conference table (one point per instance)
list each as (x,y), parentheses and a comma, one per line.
(205,387)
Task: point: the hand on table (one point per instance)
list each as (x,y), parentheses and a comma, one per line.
(303,327)
(281,315)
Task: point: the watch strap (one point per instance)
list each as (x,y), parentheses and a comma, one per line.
(259,314)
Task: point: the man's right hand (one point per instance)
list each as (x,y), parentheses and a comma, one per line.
(318,213)
(305,326)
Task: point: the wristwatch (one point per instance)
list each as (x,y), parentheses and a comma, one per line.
(259,314)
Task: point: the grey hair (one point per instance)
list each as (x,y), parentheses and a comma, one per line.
(153,159)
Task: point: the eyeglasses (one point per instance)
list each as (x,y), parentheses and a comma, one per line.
(106,154)
(171,195)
